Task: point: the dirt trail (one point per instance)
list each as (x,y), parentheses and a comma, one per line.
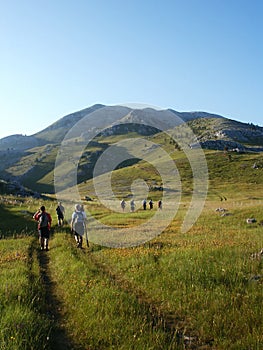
(58,337)
(160,318)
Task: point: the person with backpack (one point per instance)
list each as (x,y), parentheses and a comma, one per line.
(78,224)
(60,213)
(44,224)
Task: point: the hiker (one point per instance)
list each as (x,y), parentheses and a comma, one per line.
(132,203)
(123,204)
(44,224)
(160,205)
(78,224)
(144,203)
(150,203)
(60,214)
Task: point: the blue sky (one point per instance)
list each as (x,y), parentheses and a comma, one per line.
(58,57)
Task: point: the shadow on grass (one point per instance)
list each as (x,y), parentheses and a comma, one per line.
(50,306)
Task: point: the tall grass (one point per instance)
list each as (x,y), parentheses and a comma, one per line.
(23,324)
(100,314)
(206,277)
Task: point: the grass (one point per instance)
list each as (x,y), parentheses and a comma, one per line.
(22,322)
(196,290)
(204,277)
(100,313)
(16,218)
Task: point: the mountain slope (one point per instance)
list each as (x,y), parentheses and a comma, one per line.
(222,128)
(57,131)
(215,132)
(31,159)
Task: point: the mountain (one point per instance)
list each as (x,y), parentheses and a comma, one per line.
(55,133)
(114,115)
(30,160)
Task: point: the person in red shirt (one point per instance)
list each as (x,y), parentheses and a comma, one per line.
(44,224)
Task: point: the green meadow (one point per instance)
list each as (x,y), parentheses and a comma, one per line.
(201,289)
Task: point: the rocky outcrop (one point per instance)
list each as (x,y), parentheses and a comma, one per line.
(222,145)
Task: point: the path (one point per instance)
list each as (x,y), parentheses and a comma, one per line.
(58,337)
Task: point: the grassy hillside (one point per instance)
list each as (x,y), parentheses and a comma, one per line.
(30,160)
(196,290)
(228,172)
(200,289)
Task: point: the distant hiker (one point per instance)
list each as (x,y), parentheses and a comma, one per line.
(144,203)
(123,204)
(132,204)
(78,224)
(150,203)
(160,205)
(60,213)
(44,224)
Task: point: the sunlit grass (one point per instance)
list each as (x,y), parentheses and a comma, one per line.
(22,323)
(206,279)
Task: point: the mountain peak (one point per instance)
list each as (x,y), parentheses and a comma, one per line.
(112,115)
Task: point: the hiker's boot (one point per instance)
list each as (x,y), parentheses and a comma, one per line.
(46,244)
(41,242)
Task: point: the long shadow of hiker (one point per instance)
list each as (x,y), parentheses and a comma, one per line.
(59,339)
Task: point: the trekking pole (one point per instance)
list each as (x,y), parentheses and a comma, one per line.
(86,235)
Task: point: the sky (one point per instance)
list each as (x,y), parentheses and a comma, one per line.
(58,57)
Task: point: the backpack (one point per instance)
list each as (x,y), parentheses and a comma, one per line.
(58,210)
(43,220)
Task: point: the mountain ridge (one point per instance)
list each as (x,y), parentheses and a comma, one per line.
(55,132)
(30,160)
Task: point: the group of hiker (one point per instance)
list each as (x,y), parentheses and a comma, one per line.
(144,204)
(78,221)
(77,225)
